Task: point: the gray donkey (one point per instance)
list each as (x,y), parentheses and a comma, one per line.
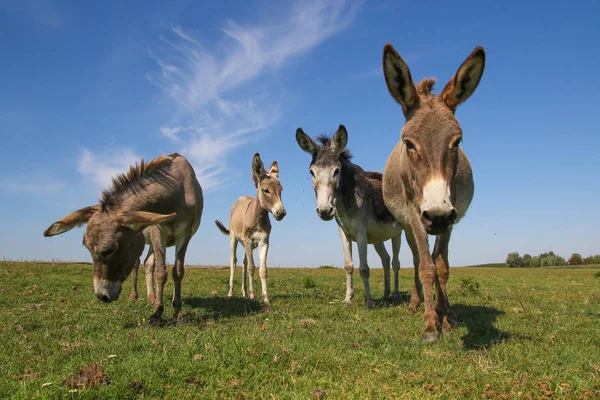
(249,224)
(159,203)
(351,195)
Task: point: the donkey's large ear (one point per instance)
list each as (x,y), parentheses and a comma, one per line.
(258,168)
(70,221)
(466,79)
(305,142)
(398,79)
(138,220)
(340,140)
(274,169)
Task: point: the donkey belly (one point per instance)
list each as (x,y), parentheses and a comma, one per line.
(377,233)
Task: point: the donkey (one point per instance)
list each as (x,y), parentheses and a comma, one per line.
(159,203)
(354,197)
(427,181)
(249,224)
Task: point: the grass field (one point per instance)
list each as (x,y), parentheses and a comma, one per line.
(522,333)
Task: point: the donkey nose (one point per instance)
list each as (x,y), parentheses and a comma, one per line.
(325,213)
(103,297)
(438,220)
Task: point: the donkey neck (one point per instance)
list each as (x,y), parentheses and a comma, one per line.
(345,190)
(255,208)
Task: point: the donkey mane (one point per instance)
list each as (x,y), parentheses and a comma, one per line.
(325,140)
(138,176)
(425,87)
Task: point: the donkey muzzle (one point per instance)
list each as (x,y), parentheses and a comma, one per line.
(326,213)
(437,221)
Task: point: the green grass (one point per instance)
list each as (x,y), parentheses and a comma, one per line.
(521,333)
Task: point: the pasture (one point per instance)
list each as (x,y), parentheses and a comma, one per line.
(521,333)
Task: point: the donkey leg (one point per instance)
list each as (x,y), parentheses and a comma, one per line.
(244,274)
(159,243)
(417,290)
(233,246)
(440,258)
(177,272)
(149,271)
(251,268)
(133,296)
(348,266)
(364,267)
(396,264)
(263,250)
(385,262)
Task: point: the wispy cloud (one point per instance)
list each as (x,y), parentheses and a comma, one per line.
(223,95)
(100,168)
(32,186)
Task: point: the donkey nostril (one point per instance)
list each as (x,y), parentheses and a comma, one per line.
(426,215)
(452,216)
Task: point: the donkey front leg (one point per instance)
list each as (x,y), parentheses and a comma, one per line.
(251,267)
(149,272)
(385,262)
(159,243)
(233,246)
(178,272)
(263,250)
(134,280)
(244,274)
(440,258)
(417,290)
(396,264)
(364,267)
(348,266)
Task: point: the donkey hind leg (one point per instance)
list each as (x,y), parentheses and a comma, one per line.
(385,262)
(440,258)
(233,246)
(134,280)
(417,290)
(178,272)
(364,267)
(149,271)
(263,250)
(244,274)
(348,266)
(396,265)
(159,243)
(251,267)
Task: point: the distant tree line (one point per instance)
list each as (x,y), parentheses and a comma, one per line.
(548,259)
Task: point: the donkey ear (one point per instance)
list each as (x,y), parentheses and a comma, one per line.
(258,168)
(138,220)
(466,79)
(70,221)
(340,140)
(398,79)
(305,142)
(274,169)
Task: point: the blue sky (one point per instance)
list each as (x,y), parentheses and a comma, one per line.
(90,87)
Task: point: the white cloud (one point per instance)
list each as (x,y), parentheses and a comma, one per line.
(32,186)
(225,98)
(100,168)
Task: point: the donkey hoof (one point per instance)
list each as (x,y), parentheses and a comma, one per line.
(133,297)
(151,299)
(347,301)
(370,305)
(429,337)
(412,310)
(155,320)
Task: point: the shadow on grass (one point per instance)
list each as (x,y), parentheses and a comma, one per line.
(479,322)
(219,307)
(392,301)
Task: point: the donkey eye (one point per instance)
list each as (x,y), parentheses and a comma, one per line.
(311,173)
(336,171)
(456,143)
(410,146)
(108,252)
(266,191)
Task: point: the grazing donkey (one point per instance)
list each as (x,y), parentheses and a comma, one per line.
(159,203)
(354,197)
(427,181)
(249,224)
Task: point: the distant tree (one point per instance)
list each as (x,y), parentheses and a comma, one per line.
(588,260)
(514,260)
(549,259)
(535,262)
(526,260)
(575,259)
(597,259)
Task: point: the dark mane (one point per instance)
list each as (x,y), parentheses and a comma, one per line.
(374,175)
(133,180)
(425,87)
(325,140)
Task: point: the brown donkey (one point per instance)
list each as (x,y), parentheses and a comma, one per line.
(427,180)
(249,224)
(159,203)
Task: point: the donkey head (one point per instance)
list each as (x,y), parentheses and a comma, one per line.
(114,240)
(431,135)
(269,187)
(325,167)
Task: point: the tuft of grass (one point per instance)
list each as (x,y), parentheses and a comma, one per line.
(308,283)
(327,267)
(597,274)
(514,341)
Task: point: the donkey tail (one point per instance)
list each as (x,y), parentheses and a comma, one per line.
(221,227)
